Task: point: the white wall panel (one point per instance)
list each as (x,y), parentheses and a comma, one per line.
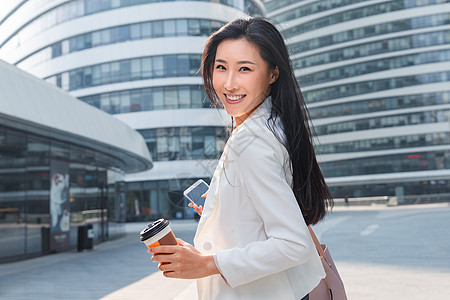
(401,177)
(176,118)
(138,84)
(167,170)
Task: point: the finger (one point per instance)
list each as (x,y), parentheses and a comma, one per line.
(184,244)
(164,267)
(190,247)
(169,274)
(181,242)
(158,258)
(163,258)
(205,194)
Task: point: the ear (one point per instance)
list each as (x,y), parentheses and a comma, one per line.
(274,75)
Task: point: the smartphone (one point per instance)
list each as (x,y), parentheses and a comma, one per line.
(194,192)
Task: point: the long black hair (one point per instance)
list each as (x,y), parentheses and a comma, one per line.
(309,187)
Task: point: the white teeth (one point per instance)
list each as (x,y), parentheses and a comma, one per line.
(234,98)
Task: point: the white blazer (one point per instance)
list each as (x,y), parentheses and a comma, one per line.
(252,222)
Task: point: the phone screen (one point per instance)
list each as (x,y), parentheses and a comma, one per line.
(194,192)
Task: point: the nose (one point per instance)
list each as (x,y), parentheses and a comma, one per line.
(231,82)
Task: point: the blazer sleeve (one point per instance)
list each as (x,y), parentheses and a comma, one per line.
(260,163)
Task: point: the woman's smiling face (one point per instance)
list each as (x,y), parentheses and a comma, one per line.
(241,77)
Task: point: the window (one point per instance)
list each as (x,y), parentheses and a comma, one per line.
(184,97)
(182,27)
(135,69)
(194,27)
(135,101)
(169,28)
(105,36)
(96,38)
(135,32)
(115,71)
(170,65)
(158,66)
(147,99)
(105,73)
(125,102)
(196,98)
(125,70)
(157,29)
(146,30)
(158,98)
(115,103)
(183,65)
(162,148)
(147,67)
(170,97)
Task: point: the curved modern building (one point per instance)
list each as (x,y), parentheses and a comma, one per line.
(139,61)
(376,77)
(62,168)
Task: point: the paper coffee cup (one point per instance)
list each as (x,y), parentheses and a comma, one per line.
(158,233)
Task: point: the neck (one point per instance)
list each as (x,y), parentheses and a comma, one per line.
(240,119)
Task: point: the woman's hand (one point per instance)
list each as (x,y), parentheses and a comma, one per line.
(183,261)
(198,208)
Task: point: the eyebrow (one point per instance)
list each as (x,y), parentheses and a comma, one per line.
(242,62)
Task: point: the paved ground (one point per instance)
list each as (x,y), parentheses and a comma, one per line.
(121,269)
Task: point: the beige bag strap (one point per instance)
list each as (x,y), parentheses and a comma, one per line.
(322,255)
(317,243)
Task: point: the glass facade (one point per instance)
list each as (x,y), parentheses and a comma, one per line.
(410,162)
(440,37)
(27,162)
(379,104)
(164,198)
(151,200)
(385,143)
(79,8)
(378,65)
(371,86)
(376,80)
(397,26)
(347,15)
(416,118)
(423,191)
(185,143)
(151,67)
(119,34)
(146,99)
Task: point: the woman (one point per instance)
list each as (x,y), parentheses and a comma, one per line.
(252,240)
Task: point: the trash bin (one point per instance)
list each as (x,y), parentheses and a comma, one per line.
(45,239)
(85,237)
